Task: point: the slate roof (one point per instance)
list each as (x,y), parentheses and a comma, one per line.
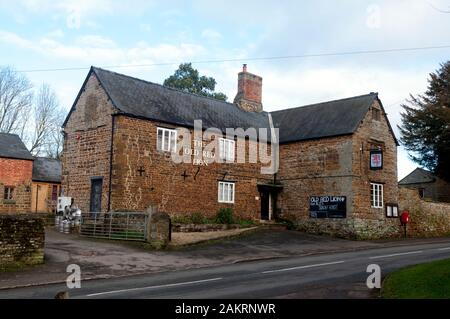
(334,118)
(46,170)
(153,101)
(418,176)
(139,98)
(11,146)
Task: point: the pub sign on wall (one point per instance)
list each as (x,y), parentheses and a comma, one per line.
(376,159)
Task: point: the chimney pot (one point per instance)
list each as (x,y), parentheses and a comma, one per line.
(249,92)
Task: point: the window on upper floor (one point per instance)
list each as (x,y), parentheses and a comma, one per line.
(8,193)
(422,192)
(376,114)
(167,140)
(55,192)
(226,149)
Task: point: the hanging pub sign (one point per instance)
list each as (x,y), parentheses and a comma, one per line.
(328,207)
(376,159)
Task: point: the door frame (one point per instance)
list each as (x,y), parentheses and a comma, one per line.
(265,200)
(270,193)
(95,179)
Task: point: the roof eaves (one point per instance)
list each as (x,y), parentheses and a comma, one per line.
(326,102)
(78,97)
(163,86)
(387,121)
(105,89)
(18,158)
(313,138)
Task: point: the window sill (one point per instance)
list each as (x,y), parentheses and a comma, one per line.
(9,201)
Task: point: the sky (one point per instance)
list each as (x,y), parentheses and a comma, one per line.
(43,34)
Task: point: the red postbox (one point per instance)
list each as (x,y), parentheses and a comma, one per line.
(404,217)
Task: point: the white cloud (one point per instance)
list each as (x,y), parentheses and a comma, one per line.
(12,38)
(76,13)
(55,34)
(146,27)
(94,41)
(211,34)
(97,50)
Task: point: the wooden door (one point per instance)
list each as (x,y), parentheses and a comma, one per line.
(39,196)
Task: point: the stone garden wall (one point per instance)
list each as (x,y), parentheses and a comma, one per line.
(428,219)
(22,240)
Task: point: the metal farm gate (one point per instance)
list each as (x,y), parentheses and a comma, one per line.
(115,225)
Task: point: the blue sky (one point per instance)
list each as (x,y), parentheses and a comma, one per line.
(44,34)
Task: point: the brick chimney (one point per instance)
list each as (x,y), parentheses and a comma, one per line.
(249,93)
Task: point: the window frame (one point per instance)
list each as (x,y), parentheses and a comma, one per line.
(8,196)
(226,187)
(392,211)
(227,149)
(376,195)
(171,138)
(376,114)
(421,192)
(55,194)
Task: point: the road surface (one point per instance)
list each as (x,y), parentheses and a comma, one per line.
(331,275)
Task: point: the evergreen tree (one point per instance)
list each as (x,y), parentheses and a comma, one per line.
(425,125)
(188,79)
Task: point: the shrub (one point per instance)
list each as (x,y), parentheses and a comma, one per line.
(197,218)
(181,219)
(246,223)
(290,225)
(225,216)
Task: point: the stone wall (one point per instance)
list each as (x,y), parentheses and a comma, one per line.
(372,134)
(87,146)
(428,219)
(438,191)
(161,182)
(22,240)
(16,173)
(314,168)
(340,166)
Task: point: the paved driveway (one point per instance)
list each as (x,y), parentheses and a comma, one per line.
(104,259)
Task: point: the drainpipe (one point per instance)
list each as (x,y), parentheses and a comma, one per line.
(110,161)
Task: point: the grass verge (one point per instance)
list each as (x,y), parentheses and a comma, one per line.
(425,281)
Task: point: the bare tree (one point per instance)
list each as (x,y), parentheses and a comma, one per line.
(37,121)
(15,101)
(56,138)
(46,120)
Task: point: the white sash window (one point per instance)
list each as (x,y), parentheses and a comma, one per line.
(226,149)
(167,140)
(376,195)
(226,192)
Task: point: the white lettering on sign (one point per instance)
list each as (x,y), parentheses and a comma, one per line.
(319,200)
(200,156)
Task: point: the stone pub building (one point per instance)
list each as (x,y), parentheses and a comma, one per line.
(337,163)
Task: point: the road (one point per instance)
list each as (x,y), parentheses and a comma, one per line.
(331,275)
